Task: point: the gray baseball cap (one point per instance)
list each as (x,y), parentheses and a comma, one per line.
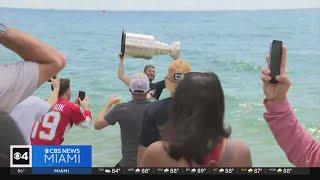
(139,83)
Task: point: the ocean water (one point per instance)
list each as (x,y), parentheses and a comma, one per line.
(232,44)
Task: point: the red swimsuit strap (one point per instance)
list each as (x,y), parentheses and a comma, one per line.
(211,158)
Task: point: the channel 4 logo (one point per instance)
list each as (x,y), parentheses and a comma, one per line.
(20,156)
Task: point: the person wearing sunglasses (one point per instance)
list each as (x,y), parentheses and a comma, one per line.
(157,113)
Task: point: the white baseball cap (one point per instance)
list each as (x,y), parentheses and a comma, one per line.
(139,83)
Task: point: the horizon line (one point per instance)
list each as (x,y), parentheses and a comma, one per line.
(59,9)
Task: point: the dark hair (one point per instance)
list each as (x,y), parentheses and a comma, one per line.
(148,66)
(196,123)
(64,86)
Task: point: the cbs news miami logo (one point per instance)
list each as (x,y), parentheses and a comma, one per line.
(51,156)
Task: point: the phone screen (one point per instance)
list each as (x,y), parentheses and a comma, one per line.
(275,59)
(82,95)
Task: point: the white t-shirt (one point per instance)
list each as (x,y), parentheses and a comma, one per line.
(17,82)
(27,112)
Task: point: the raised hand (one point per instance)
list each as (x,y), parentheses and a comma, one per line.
(276,92)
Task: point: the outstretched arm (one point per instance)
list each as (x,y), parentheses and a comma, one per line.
(53,98)
(121,74)
(30,49)
(101,122)
(86,123)
(300,147)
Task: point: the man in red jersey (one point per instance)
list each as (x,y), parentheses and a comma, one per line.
(51,128)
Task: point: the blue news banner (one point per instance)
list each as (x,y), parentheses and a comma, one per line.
(77,159)
(62,159)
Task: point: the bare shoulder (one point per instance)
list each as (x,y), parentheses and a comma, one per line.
(156,150)
(157,156)
(237,153)
(239,145)
(151,157)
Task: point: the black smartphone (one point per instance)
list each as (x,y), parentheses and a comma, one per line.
(275,59)
(82,95)
(53,77)
(123,43)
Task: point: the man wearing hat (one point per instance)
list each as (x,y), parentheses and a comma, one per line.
(157,113)
(129,116)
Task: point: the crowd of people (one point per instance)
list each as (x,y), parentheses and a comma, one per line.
(185,130)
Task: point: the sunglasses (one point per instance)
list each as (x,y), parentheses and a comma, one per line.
(177,77)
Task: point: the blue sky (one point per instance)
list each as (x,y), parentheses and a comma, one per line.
(162,4)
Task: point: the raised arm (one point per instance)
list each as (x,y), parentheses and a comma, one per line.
(121,74)
(30,49)
(100,122)
(86,123)
(300,147)
(53,98)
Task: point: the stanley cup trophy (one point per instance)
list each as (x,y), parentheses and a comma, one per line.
(146,46)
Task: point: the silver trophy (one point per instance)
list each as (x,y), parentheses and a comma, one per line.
(146,46)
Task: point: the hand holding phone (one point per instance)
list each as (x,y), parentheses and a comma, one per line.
(82,95)
(55,83)
(123,43)
(276,92)
(275,60)
(83,100)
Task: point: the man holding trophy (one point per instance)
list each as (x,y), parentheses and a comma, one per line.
(155,88)
(145,46)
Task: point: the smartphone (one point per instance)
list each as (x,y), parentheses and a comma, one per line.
(53,77)
(82,95)
(275,59)
(123,43)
